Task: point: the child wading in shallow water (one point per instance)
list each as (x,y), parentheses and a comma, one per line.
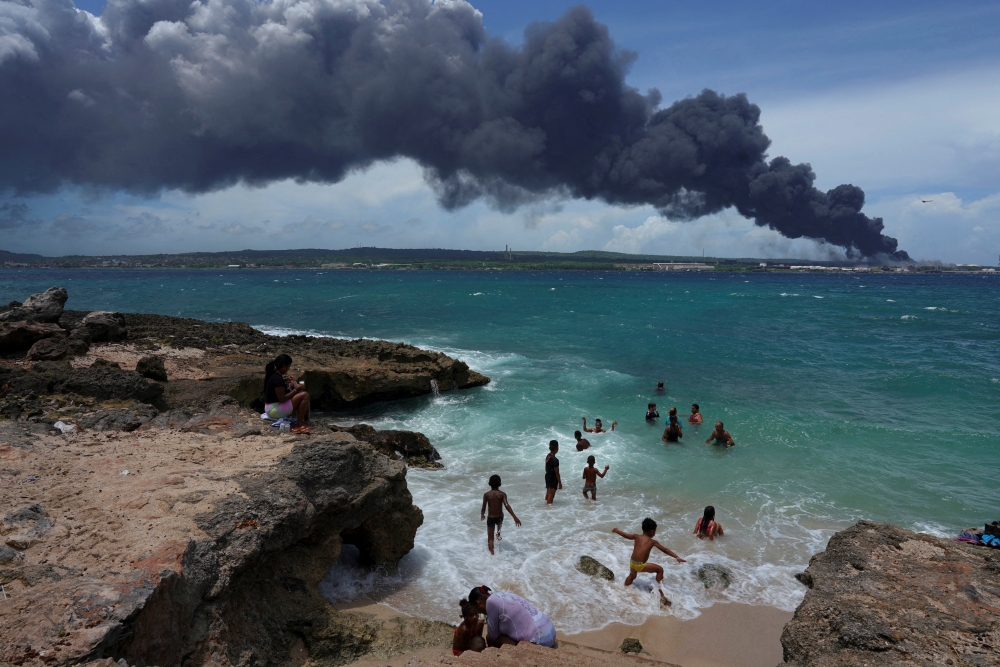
(495,500)
(590,475)
(644,544)
(707,526)
(468,635)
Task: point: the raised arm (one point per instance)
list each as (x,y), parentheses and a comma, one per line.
(613,424)
(627,536)
(602,474)
(517,522)
(668,552)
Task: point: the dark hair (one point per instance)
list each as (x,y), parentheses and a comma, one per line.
(273,366)
(672,412)
(577,435)
(466,607)
(706,518)
(660,383)
(651,405)
(598,420)
(648,525)
(591,459)
(553,445)
(478,593)
(695,406)
(494,481)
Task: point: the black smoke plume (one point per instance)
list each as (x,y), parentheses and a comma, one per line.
(200,95)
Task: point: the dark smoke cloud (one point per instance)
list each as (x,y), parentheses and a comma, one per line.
(200,95)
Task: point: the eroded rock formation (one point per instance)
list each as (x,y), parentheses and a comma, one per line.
(190,546)
(881,595)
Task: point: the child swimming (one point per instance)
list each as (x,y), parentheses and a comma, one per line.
(639,562)
(707,525)
(590,475)
(469,635)
(495,500)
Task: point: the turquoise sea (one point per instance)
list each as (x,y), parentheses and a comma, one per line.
(850,396)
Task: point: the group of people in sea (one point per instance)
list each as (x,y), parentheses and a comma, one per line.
(510,618)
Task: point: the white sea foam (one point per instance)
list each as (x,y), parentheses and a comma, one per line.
(891,300)
(817,297)
(909,317)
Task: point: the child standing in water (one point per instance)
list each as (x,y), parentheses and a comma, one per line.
(644,544)
(590,475)
(469,635)
(495,500)
(553,480)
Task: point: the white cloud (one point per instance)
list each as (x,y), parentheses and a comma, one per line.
(947,228)
(931,132)
(563,241)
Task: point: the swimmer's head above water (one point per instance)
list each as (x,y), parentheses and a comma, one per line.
(494,482)
(553,446)
(577,435)
(649,526)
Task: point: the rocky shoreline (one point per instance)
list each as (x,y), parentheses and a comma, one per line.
(120,371)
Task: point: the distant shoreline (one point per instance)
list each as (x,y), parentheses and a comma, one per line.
(405,259)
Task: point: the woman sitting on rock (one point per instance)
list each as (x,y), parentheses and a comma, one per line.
(283,395)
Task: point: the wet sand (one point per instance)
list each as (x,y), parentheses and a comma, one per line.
(725,635)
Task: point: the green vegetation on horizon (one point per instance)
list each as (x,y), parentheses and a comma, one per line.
(399,258)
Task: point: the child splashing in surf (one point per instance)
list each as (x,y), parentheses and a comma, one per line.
(495,500)
(639,562)
(590,475)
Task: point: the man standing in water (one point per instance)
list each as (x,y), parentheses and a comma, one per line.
(581,442)
(598,426)
(721,436)
(639,562)
(695,417)
(553,480)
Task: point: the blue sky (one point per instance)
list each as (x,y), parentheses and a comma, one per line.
(898,98)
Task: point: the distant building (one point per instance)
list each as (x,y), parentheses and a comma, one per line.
(682,266)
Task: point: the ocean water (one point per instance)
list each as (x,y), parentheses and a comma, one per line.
(849,396)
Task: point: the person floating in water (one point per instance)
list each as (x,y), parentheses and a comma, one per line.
(469,635)
(707,526)
(590,475)
(283,395)
(581,442)
(495,501)
(639,562)
(553,481)
(660,389)
(510,619)
(651,413)
(695,417)
(673,433)
(721,436)
(598,426)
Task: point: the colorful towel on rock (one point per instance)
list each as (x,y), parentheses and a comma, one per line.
(285,420)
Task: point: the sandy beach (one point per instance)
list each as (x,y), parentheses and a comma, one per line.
(725,635)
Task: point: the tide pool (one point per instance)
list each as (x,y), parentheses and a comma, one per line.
(849,396)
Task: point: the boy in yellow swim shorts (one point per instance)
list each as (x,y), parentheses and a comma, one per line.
(644,544)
